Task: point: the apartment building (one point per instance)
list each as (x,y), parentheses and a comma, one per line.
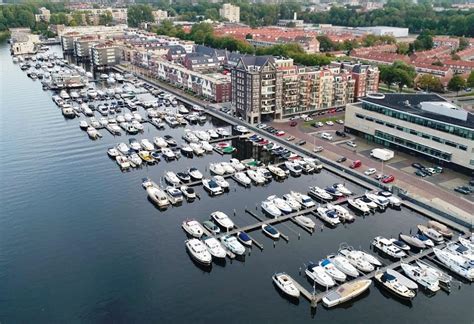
(105,55)
(424,124)
(230,12)
(266,88)
(82,47)
(160,15)
(366,77)
(44,15)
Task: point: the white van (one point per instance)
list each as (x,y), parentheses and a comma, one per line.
(326,136)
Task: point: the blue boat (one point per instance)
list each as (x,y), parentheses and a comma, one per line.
(244,238)
(270,231)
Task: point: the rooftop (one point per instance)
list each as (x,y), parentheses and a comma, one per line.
(412,103)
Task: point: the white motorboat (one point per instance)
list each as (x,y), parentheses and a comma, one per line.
(314,163)
(197,149)
(303,199)
(241,129)
(68,112)
(382,202)
(412,241)
(343,213)
(198,251)
(193,228)
(242,178)
(134,144)
(342,189)
(233,245)
(467,243)
(370,258)
(189,136)
(280,204)
(213,134)
(294,168)
(216,168)
(113,152)
(123,162)
(159,142)
(244,238)
(195,174)
(183,176)
(186,150)
(222,132)
(188,192)
(400,244)
(135,125)
(329,216)
(392,284)
(64,95)
(175,195)
(305,221)
(147,145)
(344,265)
(431,233)
(357,259)
(333,192)
(183,110)
(458,264)
(212,187)
(371,204)
(255,177)
(221,182)
(425,239)
(237,165)
(461,250)
(286,284)
(346,292)
(388,248)
(202,135)
(359,205)
(331,270)
(444,278)
(319,275)
(394,202)
(270,231)
(410,284)
(270,208)
(157,195)
(103,121)
(123,148)
(277,171)
(83,125)
(422,277)
(319,193)
(171,178)
(215,248)
(222,220)
(135,160)
(227,167)
(307,168)
(263,172)
(206,146)
(93,133)
(168,153)
(292,202)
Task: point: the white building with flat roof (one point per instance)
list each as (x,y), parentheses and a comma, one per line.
(425,124)
(230,12)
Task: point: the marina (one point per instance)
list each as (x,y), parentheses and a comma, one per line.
(118,246)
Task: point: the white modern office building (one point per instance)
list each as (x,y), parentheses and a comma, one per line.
(425,124)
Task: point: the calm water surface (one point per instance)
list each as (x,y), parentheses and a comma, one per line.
(79,242)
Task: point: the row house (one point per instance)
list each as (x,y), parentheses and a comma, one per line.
(440,71)
(214,87)
(459,66)
(438,52)
(381,58)
(467,54)
(451,42)
(386,48)
(201,63)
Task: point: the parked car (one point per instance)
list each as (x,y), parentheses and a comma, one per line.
(370,171)
(290,138)
(261,126)
(417,166)
(420,173)
(438,169)
(293,123)
(340,133)
(351,144)
(308,119)
(388,179)
(340,121)
(471,182)
(301,142)
(465,190)
(355,164)
(379,176)
(280,133)
(329,123)
(341,159)
(318,149)
(326,136)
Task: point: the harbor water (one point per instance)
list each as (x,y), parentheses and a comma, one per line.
(80,242)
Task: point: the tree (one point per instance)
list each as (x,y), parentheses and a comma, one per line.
(399,73)
(138,14)
(437,63)
(325,44)
(470,80)
(463,44)
(424,41)
(105,18)
(429,82)
(402,48)
(249,36)
(456,83)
